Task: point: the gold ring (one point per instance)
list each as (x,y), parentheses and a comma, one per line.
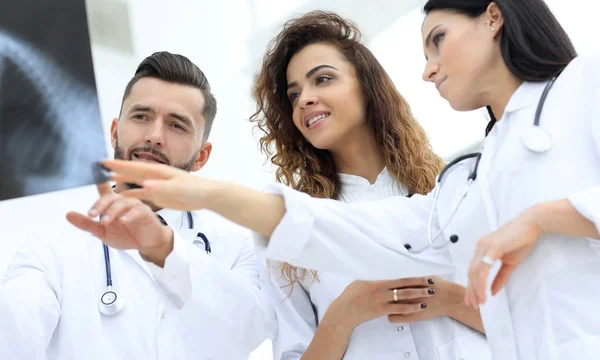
(395,295)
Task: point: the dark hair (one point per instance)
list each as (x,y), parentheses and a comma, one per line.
(177,69)
(407,152)
(534,45)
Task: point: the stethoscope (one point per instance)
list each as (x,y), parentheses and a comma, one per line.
(110,303)
(534,138)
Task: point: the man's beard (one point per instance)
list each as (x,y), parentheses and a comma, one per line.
(120,155)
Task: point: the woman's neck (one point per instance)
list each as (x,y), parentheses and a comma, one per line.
(503,86)
(360,156)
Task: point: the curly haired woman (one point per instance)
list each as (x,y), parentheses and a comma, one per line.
(336,127)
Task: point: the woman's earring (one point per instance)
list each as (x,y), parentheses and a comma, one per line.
(493,29)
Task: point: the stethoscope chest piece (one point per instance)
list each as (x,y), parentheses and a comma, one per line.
(536,139)
(110,303)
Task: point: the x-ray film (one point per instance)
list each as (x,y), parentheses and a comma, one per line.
(51,135)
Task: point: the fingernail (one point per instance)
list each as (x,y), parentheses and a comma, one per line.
(105,219)
(431,291)
(124,218)
(423,306)
(93,213)
(430,281)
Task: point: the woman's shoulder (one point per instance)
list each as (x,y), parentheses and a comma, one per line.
(587,66)
(591,58)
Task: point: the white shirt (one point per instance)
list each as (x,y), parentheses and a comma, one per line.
(548,309)
(199,306)
(436,339)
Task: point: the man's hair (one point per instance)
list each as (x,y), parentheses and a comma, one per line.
(178,69)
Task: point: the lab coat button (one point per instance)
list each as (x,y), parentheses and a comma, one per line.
(400,328)
(162,315)
(407,355)
(454,239)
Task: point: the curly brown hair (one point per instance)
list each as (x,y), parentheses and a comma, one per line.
(408,154)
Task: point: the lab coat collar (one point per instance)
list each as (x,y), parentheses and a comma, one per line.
(176,219)
(526,95)
(354,182)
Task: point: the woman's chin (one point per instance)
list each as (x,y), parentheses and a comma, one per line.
(458,105)
(320,146)
(320,143)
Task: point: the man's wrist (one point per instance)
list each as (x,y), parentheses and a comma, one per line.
(158,254)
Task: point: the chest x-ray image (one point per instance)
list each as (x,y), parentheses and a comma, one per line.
(51,135)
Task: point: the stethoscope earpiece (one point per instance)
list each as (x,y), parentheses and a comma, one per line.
(536,139)
(110,303)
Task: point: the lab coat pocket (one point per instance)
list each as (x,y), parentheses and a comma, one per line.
(469,347)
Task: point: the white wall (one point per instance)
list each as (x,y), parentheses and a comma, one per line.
(226,39)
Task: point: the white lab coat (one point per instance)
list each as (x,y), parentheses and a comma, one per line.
(301,309)
(198,306)
(548,310)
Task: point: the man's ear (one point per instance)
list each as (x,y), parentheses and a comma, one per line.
(113,133)
(203,156)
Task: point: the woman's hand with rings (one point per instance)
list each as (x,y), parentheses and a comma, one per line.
(511,244)
(362,301)
(444,298)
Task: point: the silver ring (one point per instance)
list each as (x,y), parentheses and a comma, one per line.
(487,260)
(395,295)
